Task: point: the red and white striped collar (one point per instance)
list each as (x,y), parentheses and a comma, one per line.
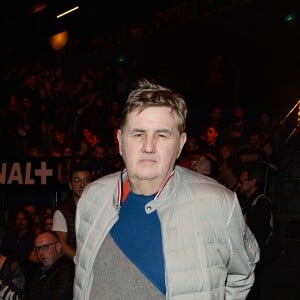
(121,181)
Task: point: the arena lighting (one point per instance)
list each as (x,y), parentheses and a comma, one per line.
(296,130)
(291,17)
(59,40)
(38,6)
(67,12)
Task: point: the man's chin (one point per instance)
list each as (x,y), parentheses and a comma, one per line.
(146,175)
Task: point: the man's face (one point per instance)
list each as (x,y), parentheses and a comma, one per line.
(86,133)
(47,248)
(21,222)
(246,186)
(225,152)
(211,135)
(150,143)
(48,224)
(255,140)
(98,152)
(31,210)
(78,182)
(59,136)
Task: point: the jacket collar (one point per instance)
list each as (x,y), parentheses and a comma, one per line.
(119,194)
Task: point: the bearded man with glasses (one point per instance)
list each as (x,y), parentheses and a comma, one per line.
(53,279)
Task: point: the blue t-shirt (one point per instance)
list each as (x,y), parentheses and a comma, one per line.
(138,235)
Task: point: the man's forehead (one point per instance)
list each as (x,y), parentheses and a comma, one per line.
(81,173)
(140,110)
(157,113)
(43,239)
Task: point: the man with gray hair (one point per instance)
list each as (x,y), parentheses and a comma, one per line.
(156,230)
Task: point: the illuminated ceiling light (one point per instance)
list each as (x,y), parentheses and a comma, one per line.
(59,40)
(67,12)
(38,6)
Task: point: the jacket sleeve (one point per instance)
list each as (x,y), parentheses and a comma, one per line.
(244,254)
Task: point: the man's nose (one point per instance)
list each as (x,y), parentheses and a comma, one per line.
(149,144)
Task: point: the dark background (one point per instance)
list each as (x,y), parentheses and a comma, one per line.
(257,47)
(237,53)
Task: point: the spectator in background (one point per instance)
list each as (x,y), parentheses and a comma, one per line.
(211,148)
(239,119)
(64,165)
(87,141)
(229,172)
(31,91)
(98,161)
(256,150)
(64,215)
(60,141)
(247,153)
(114,116)
(19,239)
(34,213)
(193,156)
(263,148)
(238,126)
(12,278)
(13,128)
(30,124)
(114,159)
(47,224)
(53,279)
(267,127)
(46,211)
(216,118)
(95,117)
(227,151)
(258,211)
(48,114)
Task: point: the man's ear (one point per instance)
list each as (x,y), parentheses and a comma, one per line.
(183,139)
(119,133)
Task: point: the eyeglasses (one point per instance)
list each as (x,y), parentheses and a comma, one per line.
(84,180)
(43,247)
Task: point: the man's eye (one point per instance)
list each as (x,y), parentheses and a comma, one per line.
(162,135)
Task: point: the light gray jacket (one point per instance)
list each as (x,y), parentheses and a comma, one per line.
(209,251)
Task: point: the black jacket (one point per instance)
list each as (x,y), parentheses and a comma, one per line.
(55,283)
